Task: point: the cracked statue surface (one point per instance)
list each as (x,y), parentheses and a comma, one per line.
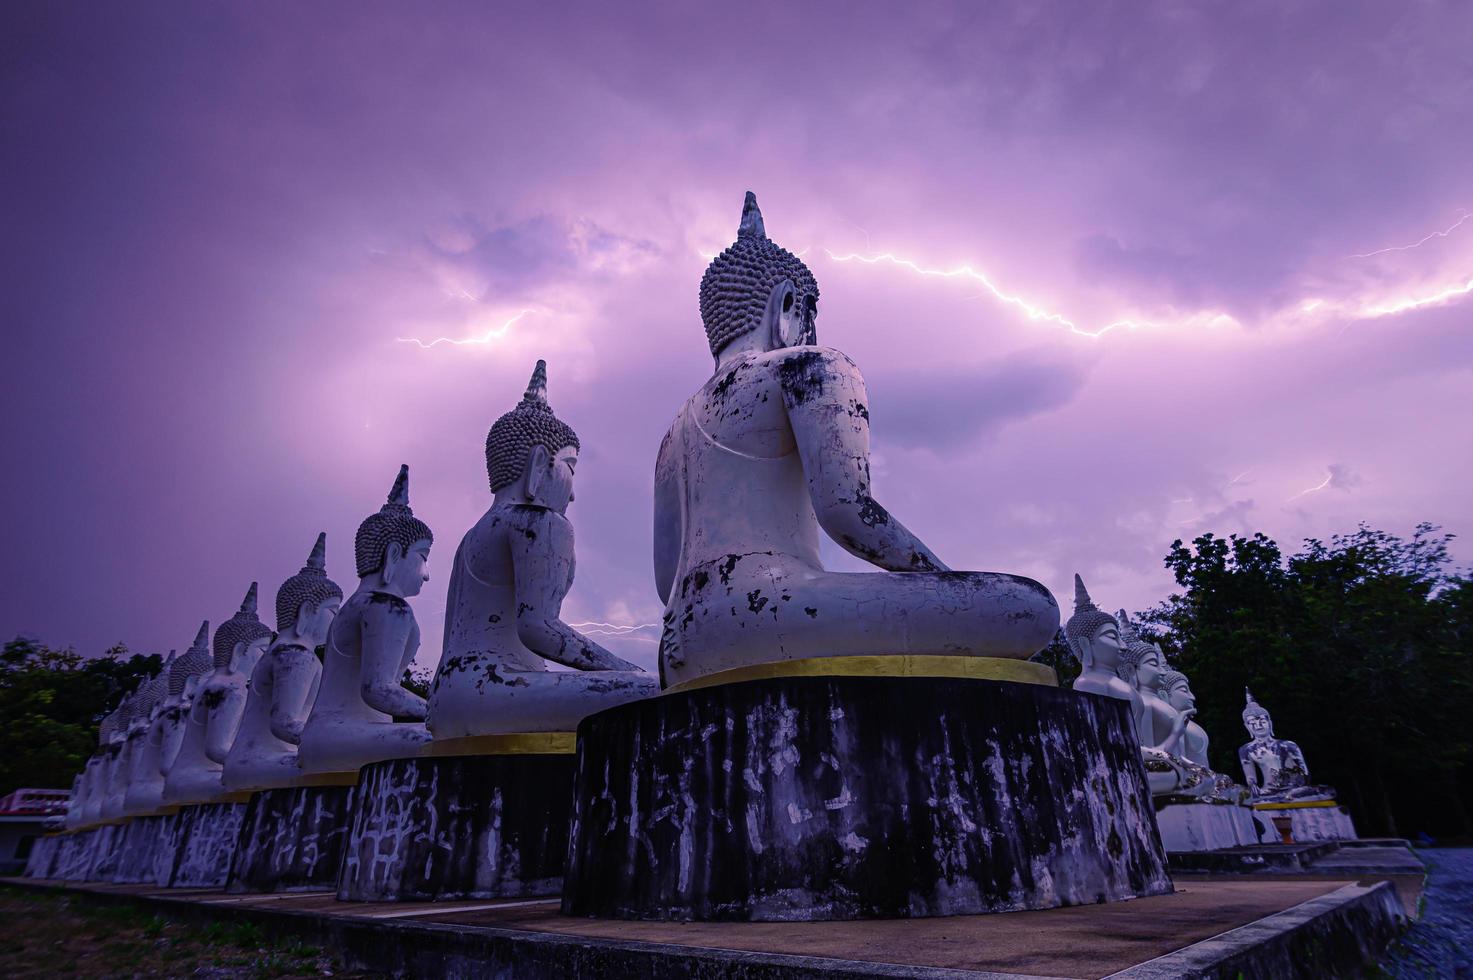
(512,571)
(772,448)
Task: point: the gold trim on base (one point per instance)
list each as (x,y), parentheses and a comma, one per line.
(511,743)
(1299,805)
(903,665)
(312,780)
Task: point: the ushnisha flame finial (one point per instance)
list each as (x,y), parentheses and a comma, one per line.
(202,637)
(399,493)
(317,560)
(537,386)
(248,604)
(751,225)
(1087,617)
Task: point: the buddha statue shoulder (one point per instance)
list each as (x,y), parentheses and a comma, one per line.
(370,645)
(503,615)
(773,447)
(1274,768)
(213,713)
(284,681)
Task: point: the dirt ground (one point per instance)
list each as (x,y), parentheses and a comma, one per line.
(51,935)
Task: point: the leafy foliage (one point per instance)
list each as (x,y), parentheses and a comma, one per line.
(51,702)
(1362,648)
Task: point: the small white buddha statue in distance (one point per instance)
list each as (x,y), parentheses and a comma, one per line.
(98,767)
(283,685)
(140,792)
(370,646)
(214,712)
(503,615)
(133,730)
(773,447)
(166,731)
(1274,768)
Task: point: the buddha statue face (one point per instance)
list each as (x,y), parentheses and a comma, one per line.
(549,478)
(313,621)
(1179,694)
(245,653)
(1148,670)
(1102,649)
(405,572)
(1258,723)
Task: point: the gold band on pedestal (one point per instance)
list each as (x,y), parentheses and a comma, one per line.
(904,665)
(511,743)
(1296,805)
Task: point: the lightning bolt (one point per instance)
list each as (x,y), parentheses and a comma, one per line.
(1412,303)
(613,629)
(495,333)
(1305,493)
(1420,242)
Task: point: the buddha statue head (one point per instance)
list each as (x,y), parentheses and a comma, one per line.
(307,602)
(195,663)
(392,546)
(1178,691)
(1256,718)
(240,636)
(531,454)
(1093,634)
(756,285)
(1144,659)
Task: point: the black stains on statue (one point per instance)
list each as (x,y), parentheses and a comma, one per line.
(394,602)
(727,566)
(802,377)
(756,600)
(723,387)
(871,514)
(700,579)
(861,411)
(531,534)
(214,698)
(812,613)
(889,825)
(855,546)
(494,618)
(523,607)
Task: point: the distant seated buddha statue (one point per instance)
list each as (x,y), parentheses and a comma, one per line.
(772,448)
(503,615)
(1178,693)
(214,712)
(369,647)
(141,791)
(283,684)
(132,731)
(1274,768)
(166,733)
(97,771)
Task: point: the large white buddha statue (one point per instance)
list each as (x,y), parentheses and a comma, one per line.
(369,647)
(503,615)
(1274,768)
(215,710)
(283,685)
(772,448)
(1177,690)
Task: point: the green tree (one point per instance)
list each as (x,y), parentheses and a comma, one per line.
(50,704)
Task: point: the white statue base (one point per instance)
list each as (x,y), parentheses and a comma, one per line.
(1314,820)
(1206,826)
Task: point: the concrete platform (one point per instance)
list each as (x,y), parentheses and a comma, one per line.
(1208,927)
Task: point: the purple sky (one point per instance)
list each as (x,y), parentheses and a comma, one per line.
(217,220)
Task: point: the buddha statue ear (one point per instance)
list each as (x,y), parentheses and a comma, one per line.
(782,322)
(393,555)
(538,461)
(304,619)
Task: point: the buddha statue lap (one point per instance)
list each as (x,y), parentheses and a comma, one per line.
(1274,768)
(370,645)
(283,683)
(213,714)
(503,619)
(772,448)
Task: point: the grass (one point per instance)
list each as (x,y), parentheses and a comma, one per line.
(49,934)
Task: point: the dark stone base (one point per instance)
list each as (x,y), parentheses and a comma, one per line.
(809,798)
(292,839)
(478,826)
(43,856)
(142,842)
(199,846)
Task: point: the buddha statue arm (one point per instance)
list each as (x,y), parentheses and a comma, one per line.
(292,672)
(390,638)
(828,409)
(542,563)
(668,531)
(220,714)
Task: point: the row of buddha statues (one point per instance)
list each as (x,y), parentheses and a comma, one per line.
(773,448)
(1116,661)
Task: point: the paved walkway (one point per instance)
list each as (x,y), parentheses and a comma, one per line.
(1440,944)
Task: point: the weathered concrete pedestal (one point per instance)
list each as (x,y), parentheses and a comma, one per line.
(848,797)
(1313,820)
(1206,826)
(291,839)
(146,843)
(204,837)
(44,854)
(468,826)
